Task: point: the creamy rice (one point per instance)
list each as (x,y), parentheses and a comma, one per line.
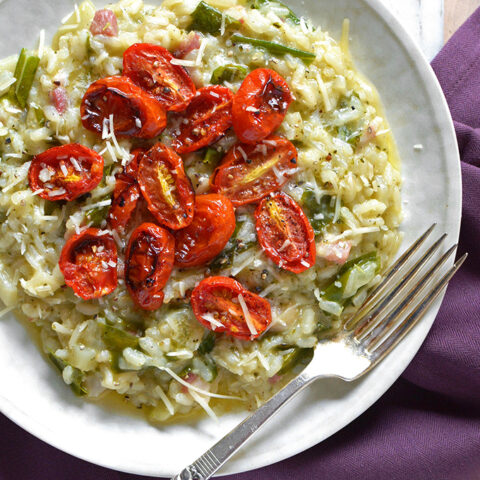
(346,162)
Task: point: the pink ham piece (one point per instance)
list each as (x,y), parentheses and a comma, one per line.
(59,98)
(104,23)
(337,252)
(192,42)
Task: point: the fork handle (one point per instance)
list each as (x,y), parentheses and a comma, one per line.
(205,466)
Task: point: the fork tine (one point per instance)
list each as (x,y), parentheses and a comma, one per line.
(387,279)
(399,331)
(372,320)
(385,320)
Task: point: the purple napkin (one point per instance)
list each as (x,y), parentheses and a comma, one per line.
(427,426)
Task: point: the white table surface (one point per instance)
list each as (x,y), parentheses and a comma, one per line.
(423,19)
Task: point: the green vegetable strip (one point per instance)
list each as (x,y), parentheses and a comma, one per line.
(228,73)
(97,215)
(234,247)
(323,210)
(207,343)
(275,48)
(363,267)
(207,19)
(257,4)
(118,339)
(77,376)
(293,358)
(25,74)
(212,157)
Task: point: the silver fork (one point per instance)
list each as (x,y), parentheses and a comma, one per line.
(395,306)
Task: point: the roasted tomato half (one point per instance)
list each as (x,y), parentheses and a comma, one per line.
(166,187)
(125,194)
(66,172)
(223,305)
(149,66)
(248,173)
(212,226)
(124,201)
(206,119)
(260,105)
(135,112)
(132,166)
(284,233)
(89,263)
(148,264)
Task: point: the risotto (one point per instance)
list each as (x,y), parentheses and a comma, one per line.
(193,195)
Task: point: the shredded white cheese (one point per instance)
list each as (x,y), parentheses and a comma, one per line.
(102,203)
(222,24)
(183,63)
(246,314)
(285,245)
(212,320)
(75,164)
(193,387)
(201,51)
(41,43)
(242,152)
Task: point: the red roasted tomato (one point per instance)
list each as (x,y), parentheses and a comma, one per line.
(149,66)
(148,264)
(212,226)
(66,172)
(135,112)
(217,304)
(132,166)
(206,119)
(166,187)
(125,194)
(89,263)
(125,198)
(284,233)
(248,173)
(260,105)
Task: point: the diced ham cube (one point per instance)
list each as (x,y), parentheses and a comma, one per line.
(59,98)
(334,252)
(192,42)
(104,23)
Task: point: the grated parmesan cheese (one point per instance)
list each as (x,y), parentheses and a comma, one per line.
(246,313)
(75,164)
(102,203)
(212,320)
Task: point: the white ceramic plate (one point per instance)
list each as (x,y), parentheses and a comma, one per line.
(33,395)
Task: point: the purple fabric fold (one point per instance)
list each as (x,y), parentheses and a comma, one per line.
(427,426)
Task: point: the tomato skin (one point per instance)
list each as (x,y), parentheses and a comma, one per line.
(125,194)
(212,226)
(260,105)
(207,118)
(135,112)
(246,175)
(125,197)
(166,187)
(148,263)
(132,167)
(86,269)
(284,233)
(76,182)
(149,67)
(218,296)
